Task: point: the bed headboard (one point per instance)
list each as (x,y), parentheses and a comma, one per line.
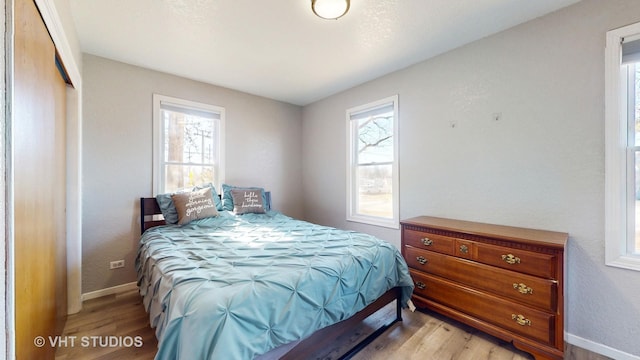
(149,211)
(148,208)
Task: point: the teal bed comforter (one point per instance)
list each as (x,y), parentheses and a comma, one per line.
(234,287)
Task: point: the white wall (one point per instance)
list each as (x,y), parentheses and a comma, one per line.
(540,166)
(263,148)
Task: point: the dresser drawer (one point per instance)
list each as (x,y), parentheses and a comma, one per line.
(425,240)
(521,319)
(528,262)
(530,290)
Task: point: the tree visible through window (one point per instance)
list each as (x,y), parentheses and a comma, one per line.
(373,163)
(189,139)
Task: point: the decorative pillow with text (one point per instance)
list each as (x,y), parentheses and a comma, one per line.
(194,205)
(227,199)
(247,201)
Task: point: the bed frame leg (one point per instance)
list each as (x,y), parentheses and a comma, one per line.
(398,304)
(369,339)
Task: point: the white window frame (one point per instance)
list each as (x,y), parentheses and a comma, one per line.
(619,214)
(158,138)
(352,186)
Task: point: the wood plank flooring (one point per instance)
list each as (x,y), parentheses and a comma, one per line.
(119,315)
(421,335)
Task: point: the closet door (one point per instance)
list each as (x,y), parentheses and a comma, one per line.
(39,185)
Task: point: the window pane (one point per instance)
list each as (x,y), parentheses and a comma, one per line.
(188,138)
(636,113)
(375,139)
(635,246)
(373,163)
(188,144)
(636,100)
(622,248)
(374,190)
(181,176)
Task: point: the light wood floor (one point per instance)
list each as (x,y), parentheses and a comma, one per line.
(419,336)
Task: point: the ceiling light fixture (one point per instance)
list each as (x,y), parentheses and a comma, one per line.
(330,9)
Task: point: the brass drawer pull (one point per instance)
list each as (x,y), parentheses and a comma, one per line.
(521,320)
(511,259)
(464,249)
(420,285)
(422,260)
(426,241)
(522,288)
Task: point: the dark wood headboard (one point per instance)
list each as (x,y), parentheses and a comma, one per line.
(148,208)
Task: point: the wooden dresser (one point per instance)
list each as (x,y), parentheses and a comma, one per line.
(505,281)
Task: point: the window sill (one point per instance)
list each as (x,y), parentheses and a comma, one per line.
(628,262)
(370,220)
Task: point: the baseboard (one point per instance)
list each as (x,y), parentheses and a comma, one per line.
(599,348)
(109,291)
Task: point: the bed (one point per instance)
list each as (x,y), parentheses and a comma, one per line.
(261,285)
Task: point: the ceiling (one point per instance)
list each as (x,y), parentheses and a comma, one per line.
(279,49)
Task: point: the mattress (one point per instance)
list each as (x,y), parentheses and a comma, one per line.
(237,286)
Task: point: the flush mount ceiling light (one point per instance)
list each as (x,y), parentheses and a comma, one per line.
(330,9)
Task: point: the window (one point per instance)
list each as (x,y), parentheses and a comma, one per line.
(622,147)
(373,163)
(188,144)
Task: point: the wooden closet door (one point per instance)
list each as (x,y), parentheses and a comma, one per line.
(39,185)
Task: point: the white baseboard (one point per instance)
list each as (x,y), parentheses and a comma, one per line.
(109,291)
(599,348)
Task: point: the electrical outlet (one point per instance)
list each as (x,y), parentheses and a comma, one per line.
(116,264)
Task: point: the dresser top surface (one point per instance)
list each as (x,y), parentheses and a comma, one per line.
(549,238)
